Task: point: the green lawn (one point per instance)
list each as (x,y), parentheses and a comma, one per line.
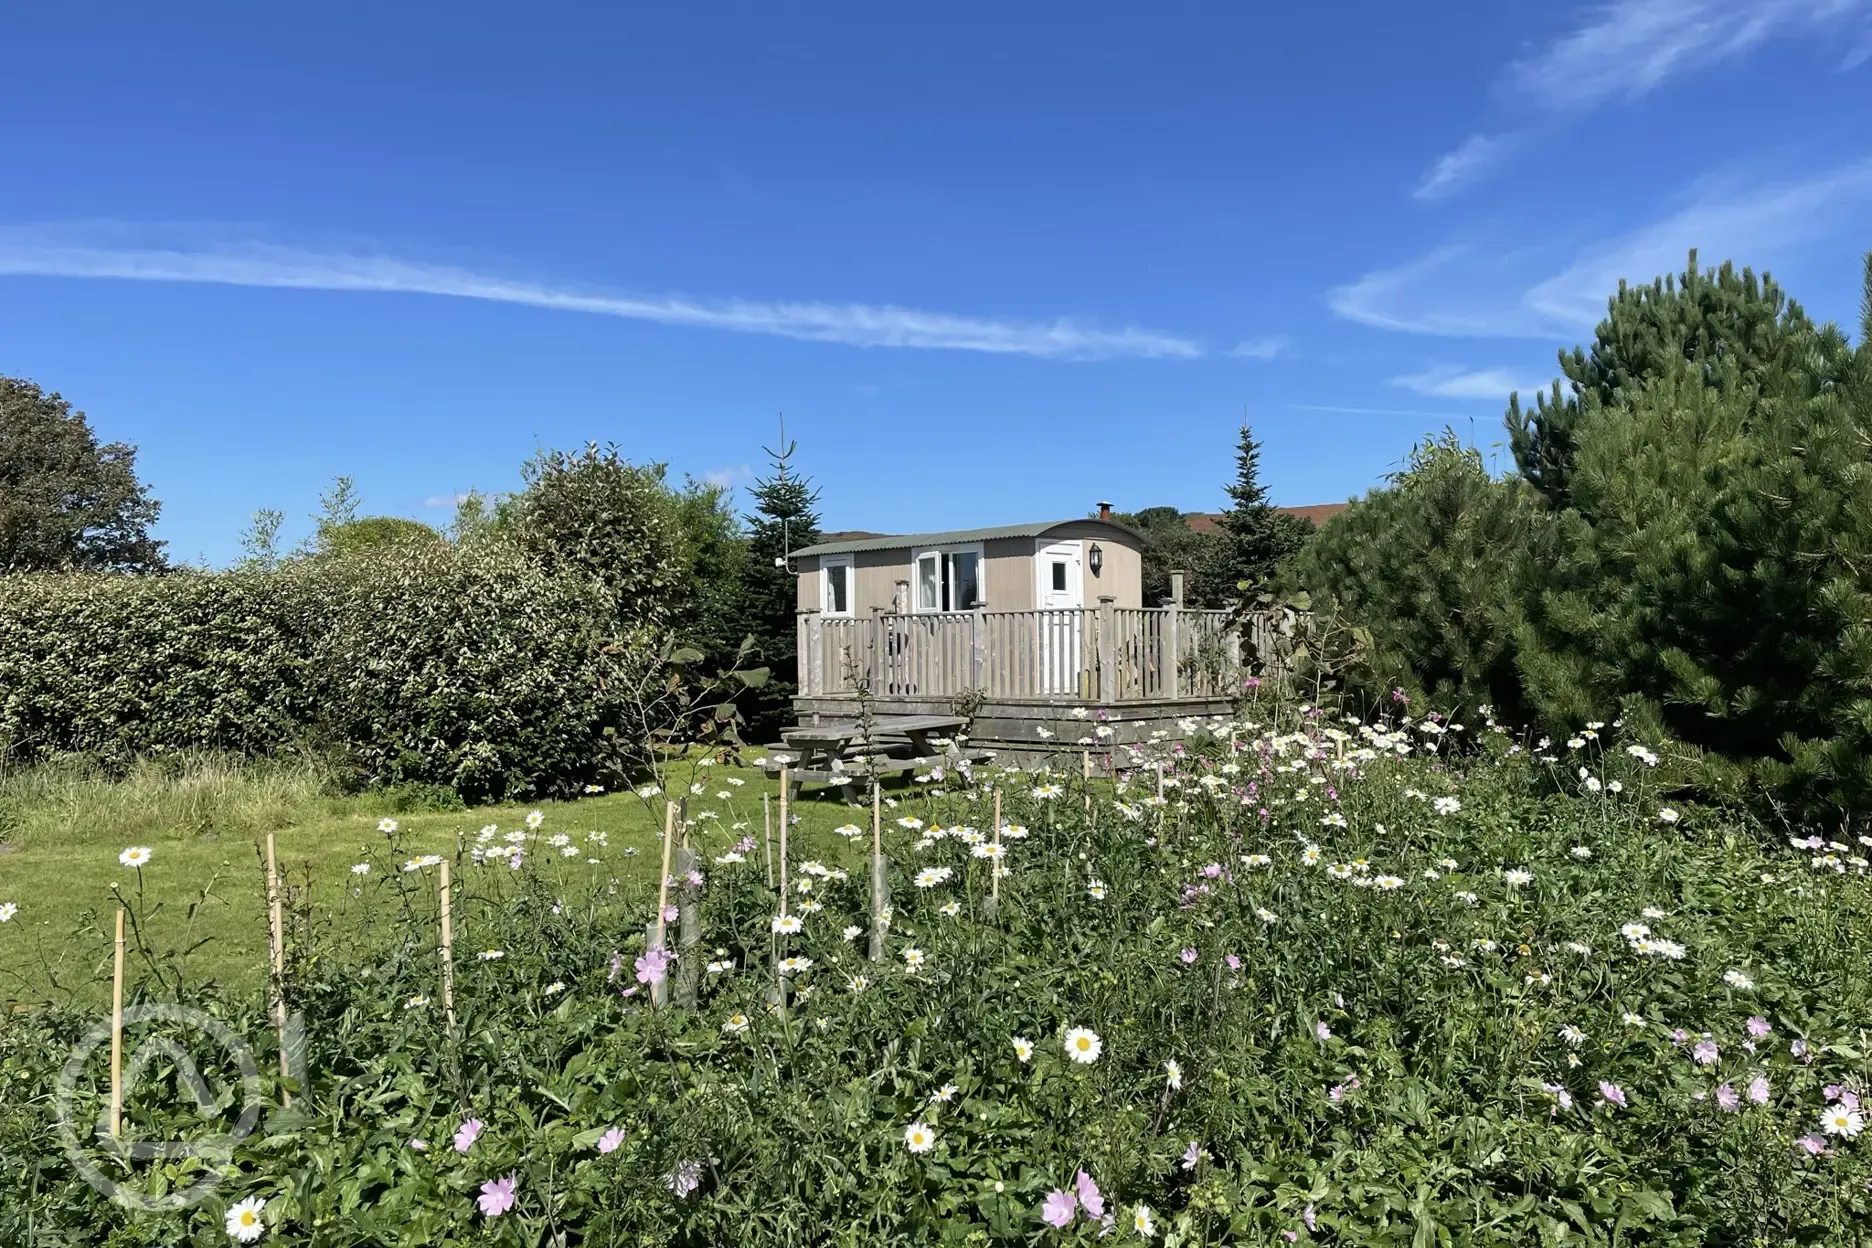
(204,889)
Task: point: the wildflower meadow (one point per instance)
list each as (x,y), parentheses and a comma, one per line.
(1392,982)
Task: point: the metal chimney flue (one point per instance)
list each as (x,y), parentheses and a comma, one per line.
(1104,511)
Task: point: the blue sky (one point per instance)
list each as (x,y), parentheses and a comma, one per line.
(993,262)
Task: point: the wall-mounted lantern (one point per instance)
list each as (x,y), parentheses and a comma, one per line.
(1096,558)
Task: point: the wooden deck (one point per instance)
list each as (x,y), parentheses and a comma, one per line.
(1100,655)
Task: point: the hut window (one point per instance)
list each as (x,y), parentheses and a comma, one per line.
(949,580)
(1059,576)
(836,599)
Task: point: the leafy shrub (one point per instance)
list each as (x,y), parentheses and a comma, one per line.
(1379,1002)
(465,667)
(1428,567)
(596,515)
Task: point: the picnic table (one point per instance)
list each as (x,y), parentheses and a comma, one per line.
(839,754)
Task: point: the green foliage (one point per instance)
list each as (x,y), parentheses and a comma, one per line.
(1257,539)
(471,668)
(1716,566)
(1170,546)
(714,556)
(596,515)
(375,534)
(1426,567)
(1414,1052)
(1720,323)
(67,502)
(785,519)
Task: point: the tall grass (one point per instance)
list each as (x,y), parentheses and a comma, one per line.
(162,799)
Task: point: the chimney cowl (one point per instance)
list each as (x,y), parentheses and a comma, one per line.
(1104,510)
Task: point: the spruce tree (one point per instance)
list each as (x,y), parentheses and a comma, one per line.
(1703,318)
(785,518)
(1257,538)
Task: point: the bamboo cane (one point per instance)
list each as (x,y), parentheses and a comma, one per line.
(994,873)
(669,841)
(877,845)
(783,841)
(1085,770)
(117,969)
(448,949)
(766,810)
(276,940)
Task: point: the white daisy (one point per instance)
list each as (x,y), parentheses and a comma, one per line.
(1083,1045)
(136,856)
(243,1220)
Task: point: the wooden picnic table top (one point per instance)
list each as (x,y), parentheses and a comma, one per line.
(884,723)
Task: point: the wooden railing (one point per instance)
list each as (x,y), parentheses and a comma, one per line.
(1092,654)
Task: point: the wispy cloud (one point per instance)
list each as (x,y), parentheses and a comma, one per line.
(1372,411)
(1449,381)
(729,478)
(81,252)
(1413,298)
(1469,160)
(1261,348)
(444,500)
(1629,48)
(1756,228)
(1467,292)
(1624,50)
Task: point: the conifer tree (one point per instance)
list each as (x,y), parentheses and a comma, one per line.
(1714,571)
(785,518)
(1257,538)
(1702,318)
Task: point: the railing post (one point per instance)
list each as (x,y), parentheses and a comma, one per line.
(1107,690)
(877,660)
(802,654)
(1170,670)
(977,655)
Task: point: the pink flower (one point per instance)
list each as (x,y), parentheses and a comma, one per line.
(1213,871)
(1813,1145)
(420,1145)
(1306,1216)
(1192,1155)
(652,966)
(1188,955)
(1322,1031)
(1089,1194)
(1705,1053)
(497,1196)
(466,1134)
(1059,1208)
(1758,1090)
(1234,963)
(1758,1026)
(1613,1094)
(609,1141)
(1292,1237)
(685,1178)
(671,914)
(1727,1098)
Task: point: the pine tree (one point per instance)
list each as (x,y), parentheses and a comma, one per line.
(1713,572)
(784,520)
(1257,538)
(1703,318)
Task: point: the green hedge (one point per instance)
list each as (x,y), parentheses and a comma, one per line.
(471,668)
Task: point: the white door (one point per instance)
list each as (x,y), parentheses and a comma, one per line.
(1060,592)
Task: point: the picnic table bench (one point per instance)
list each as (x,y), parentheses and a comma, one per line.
(838,755)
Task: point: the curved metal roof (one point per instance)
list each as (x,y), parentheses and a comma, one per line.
(903,541)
